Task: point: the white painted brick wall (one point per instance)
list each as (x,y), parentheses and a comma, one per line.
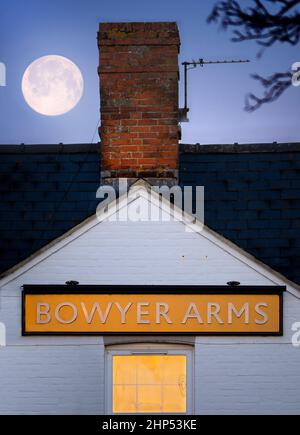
(66,374)
(247,378)
(52,379)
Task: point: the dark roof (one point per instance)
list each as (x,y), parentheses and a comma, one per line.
(45,191)
(252,196)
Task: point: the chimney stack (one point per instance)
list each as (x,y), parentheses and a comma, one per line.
(139,75)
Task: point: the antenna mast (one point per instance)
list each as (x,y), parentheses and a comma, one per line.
(192,65)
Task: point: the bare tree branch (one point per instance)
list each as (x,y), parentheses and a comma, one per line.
(266,22)
(274,86)
(258,23)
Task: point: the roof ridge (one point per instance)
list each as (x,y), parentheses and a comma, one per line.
(273,147)
(49,148)
(197,148)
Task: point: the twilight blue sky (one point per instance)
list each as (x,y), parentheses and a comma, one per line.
(34,28)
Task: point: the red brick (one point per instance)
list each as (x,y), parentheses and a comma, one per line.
(139,98)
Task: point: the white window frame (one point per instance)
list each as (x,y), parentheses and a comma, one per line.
(149,349)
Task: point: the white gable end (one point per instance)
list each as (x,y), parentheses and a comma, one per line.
(142,252)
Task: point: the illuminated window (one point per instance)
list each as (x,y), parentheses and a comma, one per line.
(149,382)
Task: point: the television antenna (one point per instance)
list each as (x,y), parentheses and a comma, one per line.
(192,65)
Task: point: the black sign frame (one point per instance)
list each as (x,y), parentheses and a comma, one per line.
(58,289)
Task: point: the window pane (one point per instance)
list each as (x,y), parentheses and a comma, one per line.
(149,398)
(174,398)
(174,369)
(123,372)
(124,398)
(149,370)
(149,383)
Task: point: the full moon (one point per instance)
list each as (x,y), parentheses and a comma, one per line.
(52,85)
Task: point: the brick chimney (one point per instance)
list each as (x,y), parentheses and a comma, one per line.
(139,101)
